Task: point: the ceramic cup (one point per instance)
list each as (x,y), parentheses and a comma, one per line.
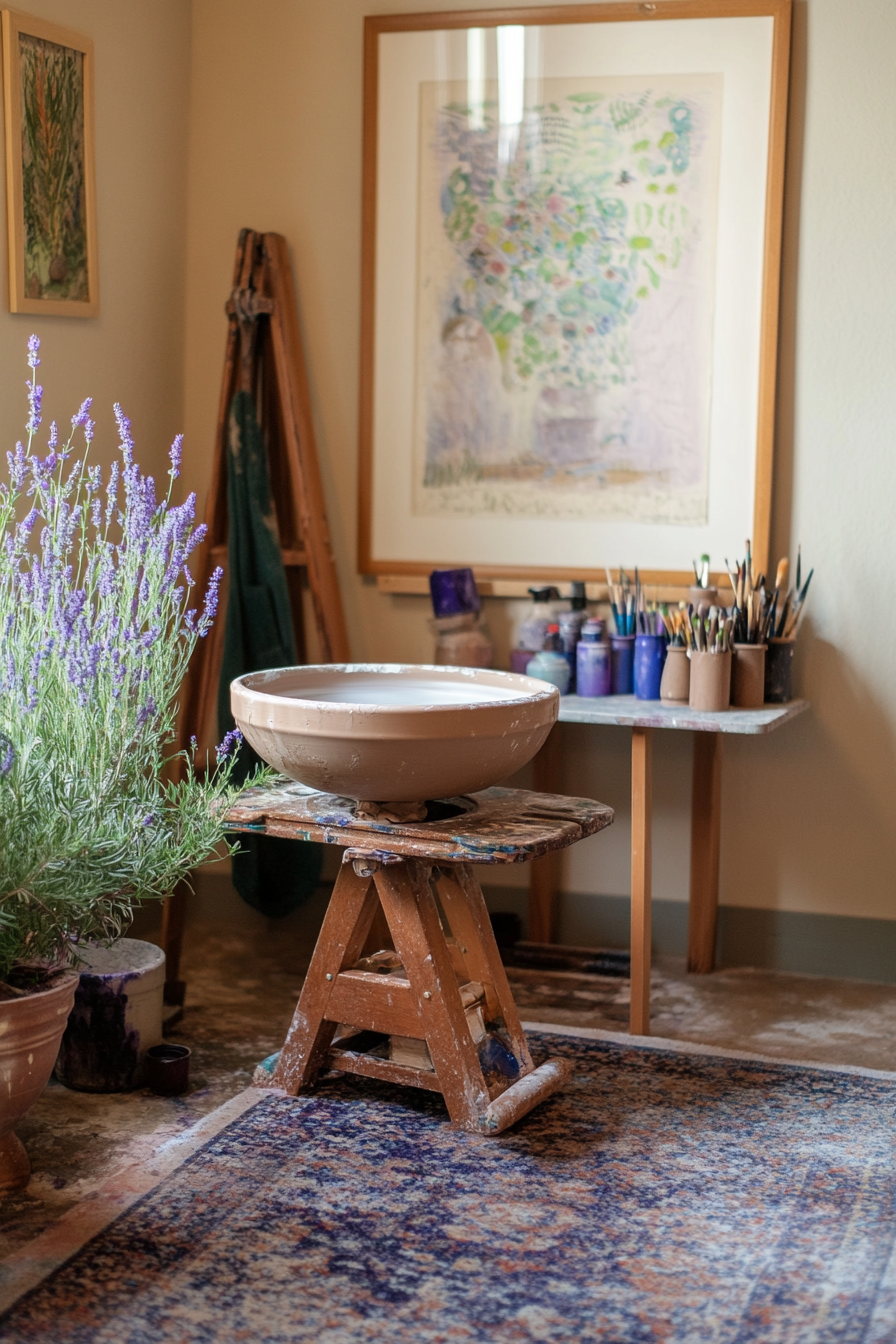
(622,664)
(650,653)
(748,676)
(710,681)
(675,686)
(779,672)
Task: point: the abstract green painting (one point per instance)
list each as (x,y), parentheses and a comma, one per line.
(50,170)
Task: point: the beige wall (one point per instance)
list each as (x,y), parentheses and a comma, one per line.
(133,352)
(276,144)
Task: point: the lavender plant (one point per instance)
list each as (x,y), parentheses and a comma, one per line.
(96,813)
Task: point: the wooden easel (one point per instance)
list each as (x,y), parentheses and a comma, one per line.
(263,356)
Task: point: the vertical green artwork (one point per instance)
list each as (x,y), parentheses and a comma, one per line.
(53,176)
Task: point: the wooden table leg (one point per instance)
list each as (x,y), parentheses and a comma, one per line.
(706,815)
(642,800)
(544,873)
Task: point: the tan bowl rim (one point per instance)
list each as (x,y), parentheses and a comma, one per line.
(542,691)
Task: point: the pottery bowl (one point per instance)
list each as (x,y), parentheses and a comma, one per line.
(393,732)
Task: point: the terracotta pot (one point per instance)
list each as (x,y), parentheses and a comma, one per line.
(710,681)
(391,732)
(30,1031)
(675,686)
(748,676)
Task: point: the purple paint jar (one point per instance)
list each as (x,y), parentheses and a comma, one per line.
(650,654)
(592,662)
(622,657)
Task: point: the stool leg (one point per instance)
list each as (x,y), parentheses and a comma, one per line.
(413,916)
(350,913)
(465,908)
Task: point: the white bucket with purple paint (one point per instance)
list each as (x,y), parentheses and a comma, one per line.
(116,1018)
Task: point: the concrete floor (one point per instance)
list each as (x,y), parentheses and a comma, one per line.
(243,981)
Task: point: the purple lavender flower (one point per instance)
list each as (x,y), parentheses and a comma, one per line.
(211,601)
(18,466)
(146,712)
(124,434)
(33,347)
(231,742)
(148,819)
(81,415)
(176,454)
(35,396)
(7,755)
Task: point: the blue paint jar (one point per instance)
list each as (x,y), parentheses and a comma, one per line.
(650,654)
(622,657)
(550,665)
(592,662)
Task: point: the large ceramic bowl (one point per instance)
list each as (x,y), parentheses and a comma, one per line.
(392,732)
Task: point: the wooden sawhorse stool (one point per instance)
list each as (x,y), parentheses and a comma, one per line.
(433,1011)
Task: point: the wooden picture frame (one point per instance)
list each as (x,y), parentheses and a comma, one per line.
(748,43)
(50,173)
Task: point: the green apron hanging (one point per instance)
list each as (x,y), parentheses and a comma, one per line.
(273,876)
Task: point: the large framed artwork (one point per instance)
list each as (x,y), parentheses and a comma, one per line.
(571,234)
(48,99)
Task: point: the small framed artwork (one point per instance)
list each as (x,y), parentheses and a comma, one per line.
(571,253)
(51,197)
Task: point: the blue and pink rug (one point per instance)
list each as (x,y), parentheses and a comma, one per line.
(662,1196)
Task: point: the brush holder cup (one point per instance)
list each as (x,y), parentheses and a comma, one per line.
(701,599)
(622,664)
(675,686)
(779,672)
(748,676)
(650,653)
(710,681)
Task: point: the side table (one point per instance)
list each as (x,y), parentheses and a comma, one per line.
(642,717)
(436,1012)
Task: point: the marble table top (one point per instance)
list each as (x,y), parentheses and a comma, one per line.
(625,711)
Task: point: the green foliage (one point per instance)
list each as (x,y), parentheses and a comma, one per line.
(96,814)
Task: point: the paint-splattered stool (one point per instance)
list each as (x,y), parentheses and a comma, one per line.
(435,1011)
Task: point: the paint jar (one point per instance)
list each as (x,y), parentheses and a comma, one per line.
(571,623)
(520,660)
(593,674)
(748,676)
(622,660)
(650,654)
(550,665)
(116,1018)
(779,671)
(675,686)
(168,1069)
(710,681)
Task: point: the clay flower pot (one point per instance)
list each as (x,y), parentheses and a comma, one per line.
(30,1031)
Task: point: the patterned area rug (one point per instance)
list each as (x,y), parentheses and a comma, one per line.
(662,1196)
